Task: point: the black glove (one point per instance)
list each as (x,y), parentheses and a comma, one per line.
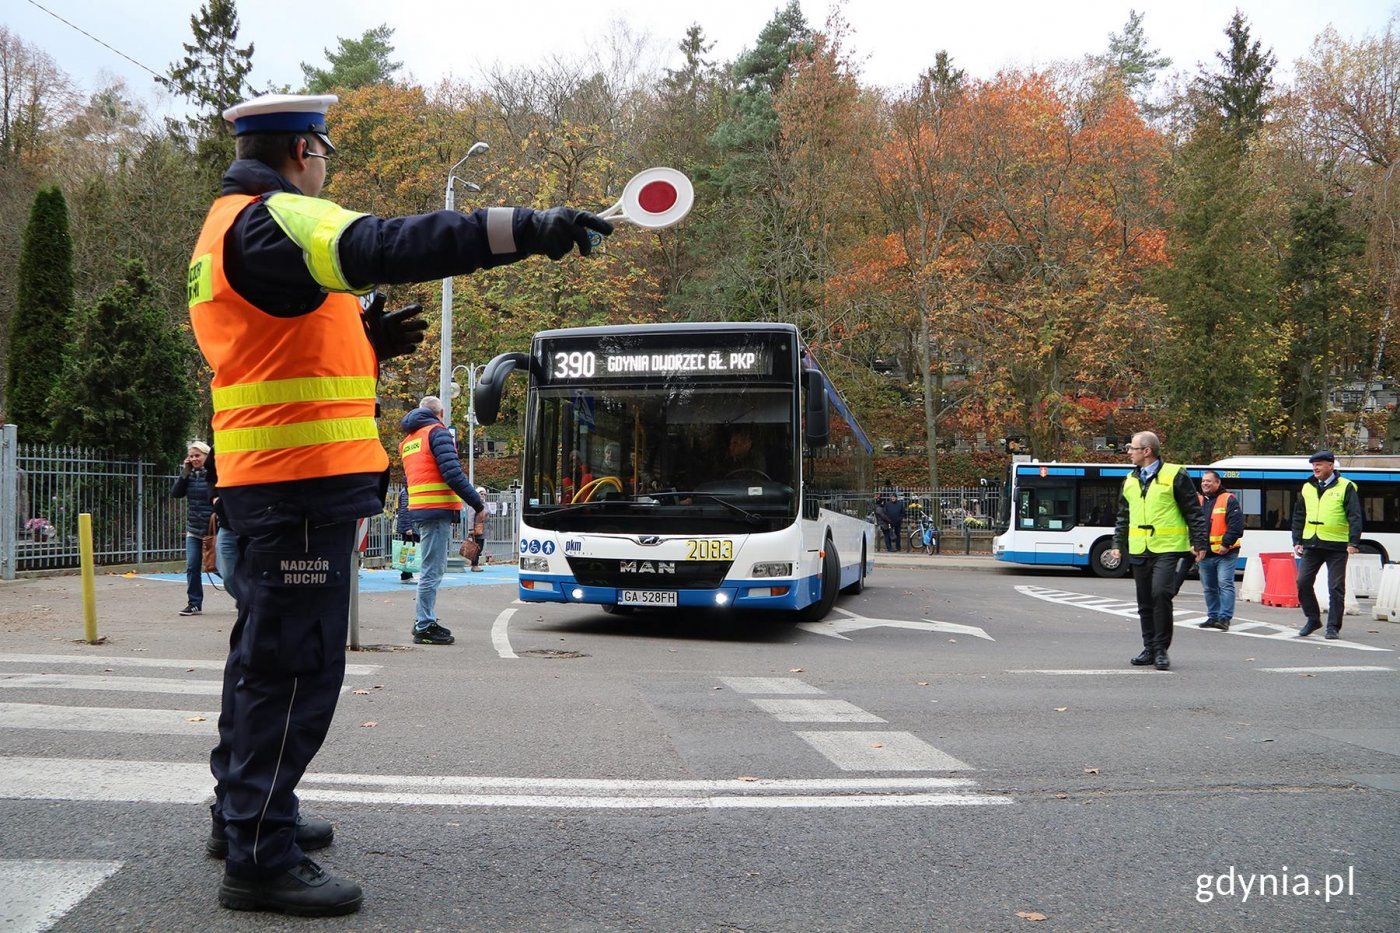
(396,333)
(556,231)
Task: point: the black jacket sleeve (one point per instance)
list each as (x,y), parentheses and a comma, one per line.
(449,464)
(1355,518)
(1184,491)
(1234,522)
(1120,527)
(1300,515)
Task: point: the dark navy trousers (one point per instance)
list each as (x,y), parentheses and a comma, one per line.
(282,679)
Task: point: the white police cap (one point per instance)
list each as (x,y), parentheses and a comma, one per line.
(282,113)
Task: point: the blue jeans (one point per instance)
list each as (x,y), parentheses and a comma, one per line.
(1218,583)
(433,538)
(194,570)
(226,552)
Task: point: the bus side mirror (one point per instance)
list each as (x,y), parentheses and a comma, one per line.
(818,415)
(486,400)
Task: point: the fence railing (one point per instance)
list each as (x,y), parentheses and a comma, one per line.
(44,488)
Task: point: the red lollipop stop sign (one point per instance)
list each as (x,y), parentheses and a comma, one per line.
(654,199)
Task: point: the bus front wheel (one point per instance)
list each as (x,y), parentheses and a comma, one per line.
(858,587)
(1102,562)
(831,582)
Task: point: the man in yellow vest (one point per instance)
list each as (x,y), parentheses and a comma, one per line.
(1226,520)
(1161,523)
(437,487)
(1327,522)
(272,288)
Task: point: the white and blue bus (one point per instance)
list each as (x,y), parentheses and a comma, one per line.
(686,465)
(1062,514)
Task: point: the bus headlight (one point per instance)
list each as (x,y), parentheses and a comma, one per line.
(772,569)
(540,564)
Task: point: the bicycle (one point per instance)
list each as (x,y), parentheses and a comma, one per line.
(923,537)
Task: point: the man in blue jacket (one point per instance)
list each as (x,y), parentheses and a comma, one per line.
(437,487)
(193,484)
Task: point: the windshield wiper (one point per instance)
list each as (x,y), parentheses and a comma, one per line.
(753,518)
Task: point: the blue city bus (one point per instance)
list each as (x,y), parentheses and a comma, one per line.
(686,465)
(1062,514)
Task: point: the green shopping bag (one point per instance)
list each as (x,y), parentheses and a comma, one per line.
(405,556)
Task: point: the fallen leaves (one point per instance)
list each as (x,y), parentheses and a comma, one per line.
(1091,770)
(795,670)
(196,719)
(1061,709)
(368,725)
(1031,915)
(360,693)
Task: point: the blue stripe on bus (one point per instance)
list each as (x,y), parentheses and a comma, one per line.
(562,587)
(1049,558)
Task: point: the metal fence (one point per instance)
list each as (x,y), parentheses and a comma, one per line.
(44,488)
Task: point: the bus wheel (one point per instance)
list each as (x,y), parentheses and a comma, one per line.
(858,587)
(1102,563)
(831,582)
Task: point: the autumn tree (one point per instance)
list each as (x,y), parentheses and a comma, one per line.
(1065,224)
(355,63)
(44,309)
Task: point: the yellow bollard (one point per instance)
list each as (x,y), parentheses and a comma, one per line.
(89,588)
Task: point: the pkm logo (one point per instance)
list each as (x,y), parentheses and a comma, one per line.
(573,546)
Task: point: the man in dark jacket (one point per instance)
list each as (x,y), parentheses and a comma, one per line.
(437,485)
(1327,523)
(193,484)
(1225,521)
(270,289)
(1161,526)
(894,510)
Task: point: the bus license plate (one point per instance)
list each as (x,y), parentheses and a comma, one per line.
(646,597)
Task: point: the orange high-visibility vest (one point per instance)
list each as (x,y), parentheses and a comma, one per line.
(426,489)
(293,397)
(1217,523)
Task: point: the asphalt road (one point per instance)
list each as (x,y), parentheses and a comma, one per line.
(957,747)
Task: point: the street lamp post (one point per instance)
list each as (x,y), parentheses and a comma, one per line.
(445,360)
(471,416)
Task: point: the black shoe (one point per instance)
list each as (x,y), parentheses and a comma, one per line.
(307,890)
(434,634)
(1162,662)
(1332,634)
(190,610)
(1144,659)
(405,578)
(1209,623)
(1310,626)
(312,833)
(1223,624)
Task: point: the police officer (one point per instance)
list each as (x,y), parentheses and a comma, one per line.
(272,294)
(1160,520)
(1326,530)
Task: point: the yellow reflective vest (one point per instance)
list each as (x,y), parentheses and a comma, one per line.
(1155,522)
(1326,515)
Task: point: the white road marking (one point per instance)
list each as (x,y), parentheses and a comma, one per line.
(881,751)
(814,710)
(1093,673)
(171,782)
(109,719)
(500,637)
(1190,619)
(768,685)
(97,660)
(38,892)
(853,623)
(1360,669)
(114,684)
(654,803)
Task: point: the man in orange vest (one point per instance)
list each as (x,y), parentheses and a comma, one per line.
(437,486)
(1226,526)
(272,288)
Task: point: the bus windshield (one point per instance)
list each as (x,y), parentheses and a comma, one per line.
(710,458)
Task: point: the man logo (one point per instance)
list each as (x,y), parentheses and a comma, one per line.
(646,566)
(649,540)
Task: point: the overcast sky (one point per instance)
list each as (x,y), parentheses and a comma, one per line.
(893,39)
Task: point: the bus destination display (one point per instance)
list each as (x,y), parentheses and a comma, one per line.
(568,366)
